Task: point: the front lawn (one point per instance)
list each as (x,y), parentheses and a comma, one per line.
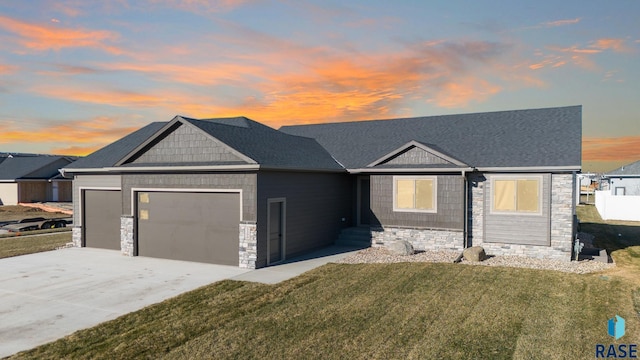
(22,245)
(374,311)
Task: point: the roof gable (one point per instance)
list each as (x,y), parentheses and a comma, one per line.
(416,154)
(181,143)
(534,138)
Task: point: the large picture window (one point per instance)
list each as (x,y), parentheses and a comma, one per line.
(415,194)
(516,194)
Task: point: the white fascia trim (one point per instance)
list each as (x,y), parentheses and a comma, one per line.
(166,168)
(409,170)
(530,168)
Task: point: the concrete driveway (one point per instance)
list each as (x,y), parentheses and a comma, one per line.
(46,296)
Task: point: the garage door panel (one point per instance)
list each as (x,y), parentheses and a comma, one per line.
(200,227)
(101,218)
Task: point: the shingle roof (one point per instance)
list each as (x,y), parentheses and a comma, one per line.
(109,155)
(27,167)
(629,169)
(267,146)
(518,138)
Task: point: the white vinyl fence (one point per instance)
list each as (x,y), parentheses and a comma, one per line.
(617,207)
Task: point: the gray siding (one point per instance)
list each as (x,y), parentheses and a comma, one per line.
(315,206)
(91,182)
(415,156)
(187,145)
(518,229)
(450,205)
(244,181)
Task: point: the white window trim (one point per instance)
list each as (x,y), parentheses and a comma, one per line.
(540,179)
(435,193)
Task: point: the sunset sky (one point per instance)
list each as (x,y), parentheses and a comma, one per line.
(77,75)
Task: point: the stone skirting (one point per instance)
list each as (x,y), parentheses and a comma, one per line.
(421,239)
(76,236)
(532,251)
(561,221)
(126,235)
(248,243)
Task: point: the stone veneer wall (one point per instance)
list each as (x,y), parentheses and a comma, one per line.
(248,242)
(76,236)
(126,235)
(562,188)
(421,239)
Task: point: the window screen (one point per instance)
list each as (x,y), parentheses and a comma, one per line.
(415,194)
(516,195)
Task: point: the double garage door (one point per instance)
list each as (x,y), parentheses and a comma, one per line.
(200,227)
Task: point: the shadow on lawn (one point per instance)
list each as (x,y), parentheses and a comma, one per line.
(612,237)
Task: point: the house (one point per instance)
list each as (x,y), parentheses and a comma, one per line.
(234,191)
(27,178)
(624,180)
(620,197)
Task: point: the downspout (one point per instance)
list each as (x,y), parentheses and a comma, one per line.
(465,210)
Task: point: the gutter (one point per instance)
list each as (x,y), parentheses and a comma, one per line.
(409,170)
(174,169)
(531,168)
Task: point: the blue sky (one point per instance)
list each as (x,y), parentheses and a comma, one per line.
(77,75)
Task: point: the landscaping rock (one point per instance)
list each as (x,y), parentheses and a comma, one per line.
(474,253)
(401,247)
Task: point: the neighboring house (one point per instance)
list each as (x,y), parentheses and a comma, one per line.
(624,180)
(27,178)
(621,199)
(233,191)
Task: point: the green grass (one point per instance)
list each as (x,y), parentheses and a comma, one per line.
(21,245)
(374,311)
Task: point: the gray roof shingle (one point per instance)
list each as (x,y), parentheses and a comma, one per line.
(31,167)
(267,146)
(109,155)
(517,138)
(629,170)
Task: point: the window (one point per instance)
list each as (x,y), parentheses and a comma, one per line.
(516,194)
(414,194)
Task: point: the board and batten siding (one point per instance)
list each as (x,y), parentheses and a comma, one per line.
(449,212)
(525,229)
(244,181)
(91,182)
(316,203)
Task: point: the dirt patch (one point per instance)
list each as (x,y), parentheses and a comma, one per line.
(17,212)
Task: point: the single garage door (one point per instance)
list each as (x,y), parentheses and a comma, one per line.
(200,227)
(101,210)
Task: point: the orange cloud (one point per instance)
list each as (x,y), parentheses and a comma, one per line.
(204,74)
(76,150)
(99,131)
(101,96)
(6,69)
(39,37)
(617,45)
(461,93)
(626,148)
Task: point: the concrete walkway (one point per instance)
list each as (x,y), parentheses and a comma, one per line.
(46,296)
